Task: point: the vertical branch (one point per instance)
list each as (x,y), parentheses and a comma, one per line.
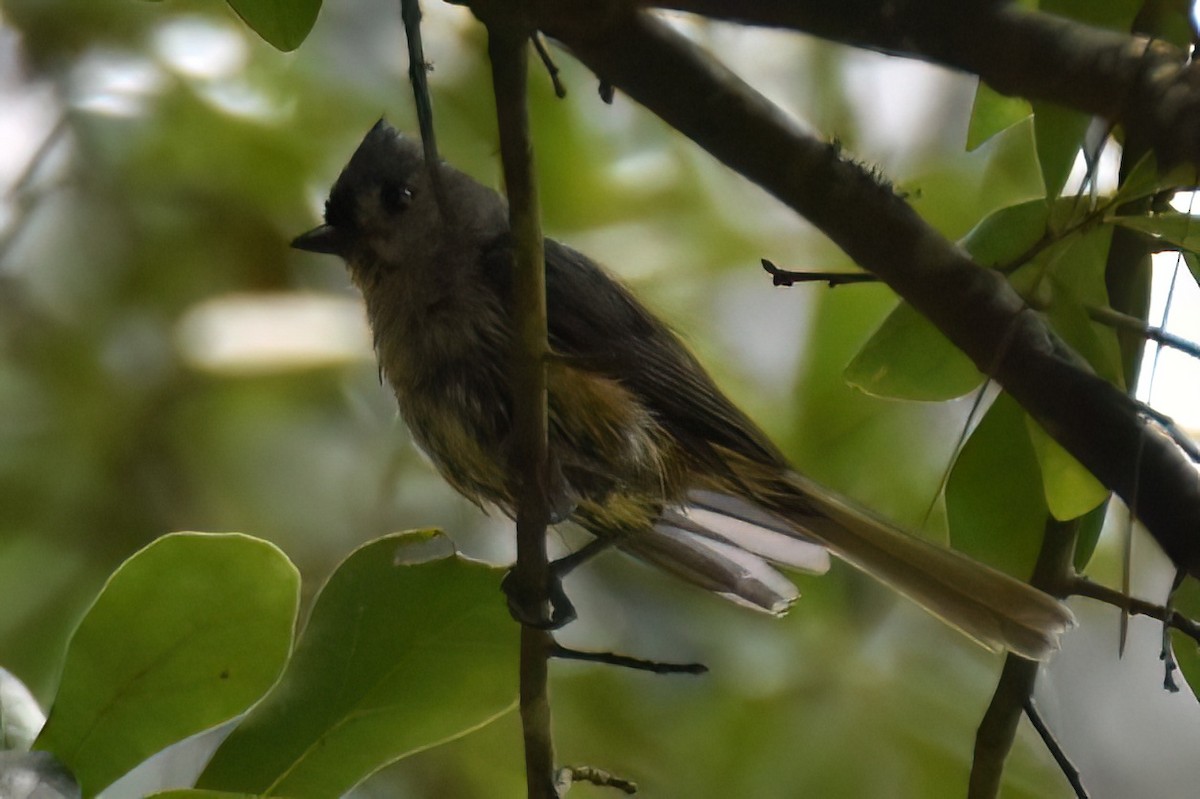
(509,56)
(1053,573)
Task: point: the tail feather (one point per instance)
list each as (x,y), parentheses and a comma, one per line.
(993,608)
(675,546)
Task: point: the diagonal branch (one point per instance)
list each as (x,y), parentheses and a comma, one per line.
(974,307)
(1145,84)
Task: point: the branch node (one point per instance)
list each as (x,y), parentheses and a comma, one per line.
(567,775)
(560,91)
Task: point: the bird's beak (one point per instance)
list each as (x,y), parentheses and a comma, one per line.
(323,239)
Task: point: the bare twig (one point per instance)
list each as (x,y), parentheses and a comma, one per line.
(784,277)
(560,91)
(572,774)
(410,13)
(1056,751)
(1120,321)
(1082,586)
(627,662)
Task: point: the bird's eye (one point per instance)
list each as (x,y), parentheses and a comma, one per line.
(394,197)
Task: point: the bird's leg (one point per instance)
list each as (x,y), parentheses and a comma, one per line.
(562,610)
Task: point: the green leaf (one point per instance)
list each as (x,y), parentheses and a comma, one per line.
(909,358)
(197,793)
(1004,236)
(1142,181)
(994,498)
(402,653)
(993,112)
(1059,133)
(1063,280)
(1193,264)
(1071,490)
(1187,652)
(284,24)
(186,634)
(1179,230)
(1090,527)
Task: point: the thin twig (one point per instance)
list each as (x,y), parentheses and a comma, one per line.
(572,774)
(1082,586)
(1056,751)
(784,277)
(625,661)
(560,91)
(418,67)
(1120,321)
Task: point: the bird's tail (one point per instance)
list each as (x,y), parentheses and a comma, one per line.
(723,543)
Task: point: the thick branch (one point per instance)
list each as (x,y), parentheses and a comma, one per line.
(1146,85)
(507,46)
(974,307)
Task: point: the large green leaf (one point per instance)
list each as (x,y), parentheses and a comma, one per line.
(1005,235)
(284,24)
(909,358)
(1059,133)
(994,498)
(1071,490)
(1180,230)
(993,112)
(186,634)
(402,652)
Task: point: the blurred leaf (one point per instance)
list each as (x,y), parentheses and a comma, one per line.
(1004,236)
(20,716)
(908,358)
(401,653)
(1090,527)
(994,498)
(993,112)
(1142,180)
(1180,230)
(1059,133)
(1071,490)
(35,775)
(187,633)
(1011,170)
(1193,263)
(284,24)
(198,793)
(1063,280)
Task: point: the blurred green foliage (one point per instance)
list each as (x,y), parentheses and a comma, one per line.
(171,155)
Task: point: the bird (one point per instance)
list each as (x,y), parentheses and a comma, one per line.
(645,452)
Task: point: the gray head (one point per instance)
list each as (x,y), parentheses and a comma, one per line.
(367,207)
